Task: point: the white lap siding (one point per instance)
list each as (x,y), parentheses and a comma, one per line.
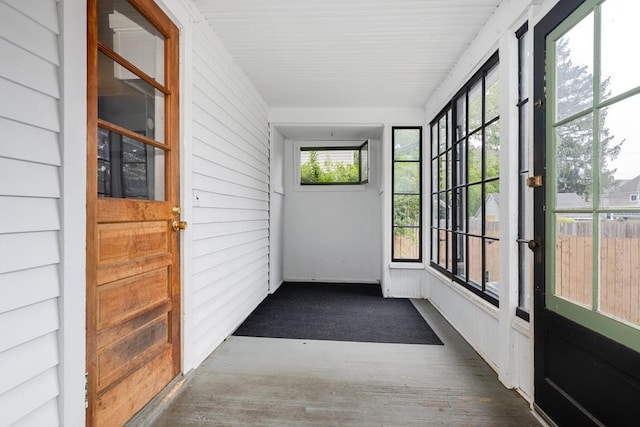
(230,223)
(29,212)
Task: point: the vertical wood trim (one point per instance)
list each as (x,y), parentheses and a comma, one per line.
(172,129)
(92,191)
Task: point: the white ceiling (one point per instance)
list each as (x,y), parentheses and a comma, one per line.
(331,132)
(346,53)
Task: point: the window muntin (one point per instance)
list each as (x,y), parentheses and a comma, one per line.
(466,195)
(334,165)
(591,211)
(407,194)
(525,195)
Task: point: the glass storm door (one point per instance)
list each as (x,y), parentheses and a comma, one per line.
(587,301)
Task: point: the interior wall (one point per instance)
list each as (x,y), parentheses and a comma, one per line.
(332,233)
(229,222)
(276,211)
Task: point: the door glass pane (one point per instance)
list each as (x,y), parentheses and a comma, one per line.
(574,69)
(620,154)
(492,150)
(128,168)
(128,102)
(574,153)
(619,72)
(475,106)
(124,30)
(407,144)
(406,177)
(492,94)
(492,266)
(620,266)
(574,260)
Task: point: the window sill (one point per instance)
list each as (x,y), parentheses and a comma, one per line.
(406,266)
(330,188)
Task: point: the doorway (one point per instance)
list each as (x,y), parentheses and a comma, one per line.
(587,293)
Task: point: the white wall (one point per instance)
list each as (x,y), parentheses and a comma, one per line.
(229,199)
(276,213)
(332,233)
(30,220)
(504,340)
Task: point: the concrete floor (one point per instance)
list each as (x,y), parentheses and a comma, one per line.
(279,382)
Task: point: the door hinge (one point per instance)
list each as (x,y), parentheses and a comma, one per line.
(86,390)
(534,181)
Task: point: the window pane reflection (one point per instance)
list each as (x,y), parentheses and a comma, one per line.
(619,65)
(574,69)
(128,168)
(620,155)
(574,260)
(574,153)
(619,266)
(130,103)
(124,30)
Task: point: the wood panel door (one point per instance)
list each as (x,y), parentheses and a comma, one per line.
(133,288)
(587,293)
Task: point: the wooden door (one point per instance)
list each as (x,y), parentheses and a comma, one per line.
(133,288)
(587,293)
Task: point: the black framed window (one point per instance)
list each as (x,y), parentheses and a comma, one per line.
(525,197)
(334,165)
(407,194)
(465,184)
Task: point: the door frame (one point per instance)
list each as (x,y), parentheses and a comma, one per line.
(580,376)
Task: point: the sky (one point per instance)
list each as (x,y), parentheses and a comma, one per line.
(621,62)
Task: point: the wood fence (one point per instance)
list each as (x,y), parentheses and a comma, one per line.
(619,258)
(619,265)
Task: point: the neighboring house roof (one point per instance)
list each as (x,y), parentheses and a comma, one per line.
(572,201)
(630,186)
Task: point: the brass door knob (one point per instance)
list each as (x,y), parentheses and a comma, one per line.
(179,225)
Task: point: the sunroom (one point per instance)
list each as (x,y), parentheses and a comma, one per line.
(166,165)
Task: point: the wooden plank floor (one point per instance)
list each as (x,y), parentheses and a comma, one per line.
(277,382)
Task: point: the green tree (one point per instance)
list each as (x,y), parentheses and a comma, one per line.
(312,172)
(574,148)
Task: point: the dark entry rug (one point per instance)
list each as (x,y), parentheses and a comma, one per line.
(337,312)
